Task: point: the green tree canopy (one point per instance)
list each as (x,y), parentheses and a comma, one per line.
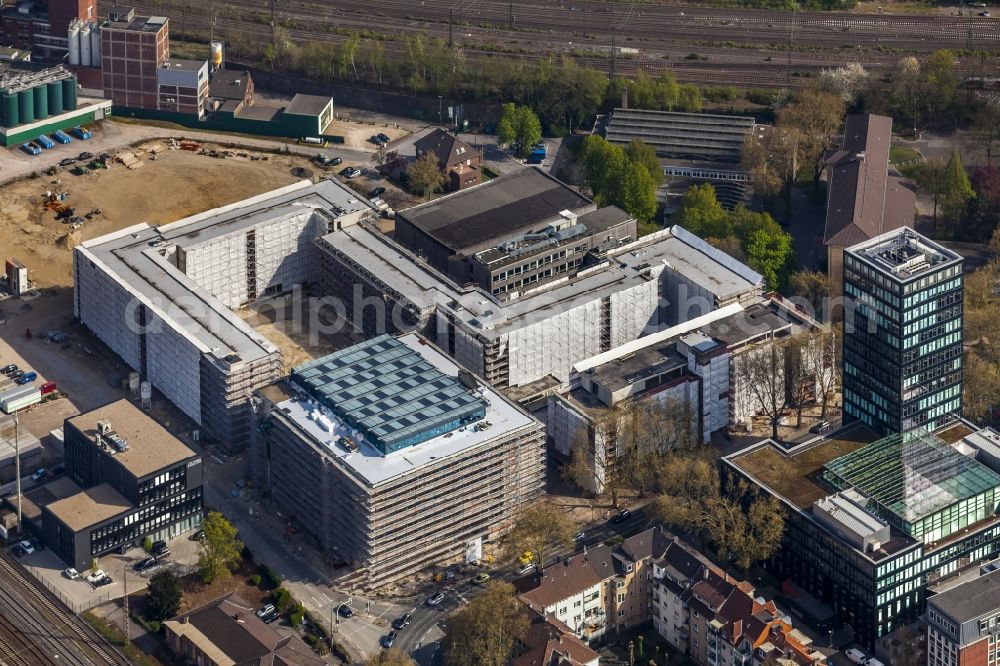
(701,213)
(519,127)
(163,596)
(624,177)
(220,549)
(485,631)
(770,255)
(424,175)
(957,189)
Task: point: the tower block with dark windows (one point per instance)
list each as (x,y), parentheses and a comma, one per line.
(903,333)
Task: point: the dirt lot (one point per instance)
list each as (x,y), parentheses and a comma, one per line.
(185,183)
(357,133)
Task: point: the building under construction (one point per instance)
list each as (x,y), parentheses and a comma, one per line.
(410,460)
(38,100)
(160,297)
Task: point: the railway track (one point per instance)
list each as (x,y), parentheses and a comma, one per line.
(82,638)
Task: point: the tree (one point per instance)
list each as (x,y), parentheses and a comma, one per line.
(760,371)
(639,152)
(424,175)
(812,287)
(799,376)
(931,178)
(702,214)
(980,385)
(519,127)
(537,527)
(941,79)
(163,596)
(622,177)
(771,255)
(638,192)
(986,128)
(816,116)
(823,356)
(957,189)
(847,81)
(766,168)
(220,550)
(593,463)
(485,631)
(763,530)
(906,87)
(390,657)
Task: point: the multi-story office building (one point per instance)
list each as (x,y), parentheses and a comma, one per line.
(133,48)
(872,523)
(409,460)
(135,480)
(903,333)
(963,624)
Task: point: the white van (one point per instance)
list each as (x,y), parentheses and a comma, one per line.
(857,656)
(874,662)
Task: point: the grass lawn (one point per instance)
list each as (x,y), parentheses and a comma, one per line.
(900,154)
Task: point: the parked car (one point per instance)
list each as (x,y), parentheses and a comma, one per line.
(9,369)
(270,617)
(96,577)
(820,428)
(147,563)
(27,547)
(435,599)
(39,474)
(481,578)
(85,156)
(350,172)
(579,536)
(266,610)
(327,161)
(622,516)
(389,640)
(856,655)
(157,547)
(383,138)
(377,192)
(377,139)
(401,622)
(345,611)
(27,377)
(527,569)
(161,554)
(198,536)
(107,580)
(71,573)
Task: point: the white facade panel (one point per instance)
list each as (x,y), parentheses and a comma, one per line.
(174,367)
(552,346)
(220,267)
(105,306)
(284,251)
(634,312)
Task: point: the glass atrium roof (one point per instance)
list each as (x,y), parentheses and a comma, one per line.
(913,475)
(389,392)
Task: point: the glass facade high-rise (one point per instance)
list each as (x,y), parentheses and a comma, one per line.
(902,333)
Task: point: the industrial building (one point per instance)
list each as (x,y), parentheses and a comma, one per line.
(410,460)
(865,198)
(903,333)
(133,480)
(161,297)
(963,624)
(36,100)
(42,27)
(701,136)
(133,48)
(873,522)
(514,234)
(183,86)
(691,368)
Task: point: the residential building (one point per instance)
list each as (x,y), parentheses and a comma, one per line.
(694,367)
(226,631)
(410,460)
(183,86)
(133,49)
(460,163)
(872,522)
(231,88)
(133,480)
(903,333)
(535,339)
(963,624)
(513,234)
(160,297)
(865,198)
(549,642)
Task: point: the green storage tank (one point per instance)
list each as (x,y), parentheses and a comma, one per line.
(69,94)
(55,97)
(41,93)
(26,106)
(8,109)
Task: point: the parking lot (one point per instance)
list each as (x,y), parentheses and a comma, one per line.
(79,595)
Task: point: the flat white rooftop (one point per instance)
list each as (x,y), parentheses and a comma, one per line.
(627,266)
(140,258)
(373,468)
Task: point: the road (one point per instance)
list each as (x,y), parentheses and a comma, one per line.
(34,629)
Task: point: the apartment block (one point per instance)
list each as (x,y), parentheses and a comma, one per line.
(873,522)
(411,460)
(963,624)
(130,478)
(903,335)
(160,297)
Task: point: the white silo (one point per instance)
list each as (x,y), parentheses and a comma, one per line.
(85,45)
(74,42)
(95,45)
(146,394)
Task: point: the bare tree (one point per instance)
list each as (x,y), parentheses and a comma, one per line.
(593,464)
(760,372)
(537,528)
(823,356)
(800,378)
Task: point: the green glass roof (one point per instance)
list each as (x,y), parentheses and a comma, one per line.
(389,392)
(913,475)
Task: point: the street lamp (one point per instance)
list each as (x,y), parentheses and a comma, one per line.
(17,472)
(440,97)
(335,614)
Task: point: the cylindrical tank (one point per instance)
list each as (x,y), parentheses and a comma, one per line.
(216,55)
(133,381)
(26,106)
(74,42)
(95,45)
(69,93)
(145,390)
(9,110)
(55,97)
(41,93)
(85,45)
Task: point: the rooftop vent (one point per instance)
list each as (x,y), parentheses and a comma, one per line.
(104,427)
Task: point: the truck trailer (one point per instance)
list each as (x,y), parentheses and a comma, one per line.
(19,398)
